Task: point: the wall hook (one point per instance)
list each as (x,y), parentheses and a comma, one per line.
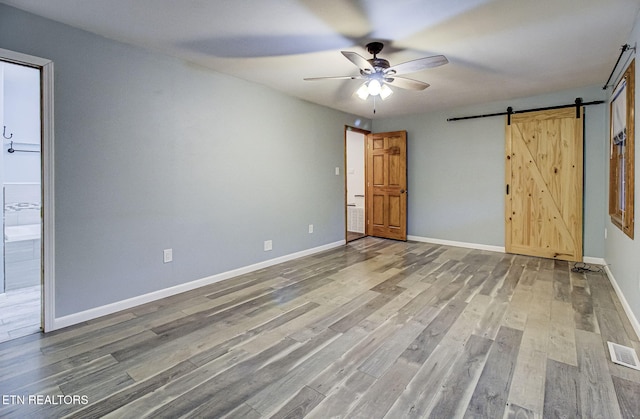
(4,133)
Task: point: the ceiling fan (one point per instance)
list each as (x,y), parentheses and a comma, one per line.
(378,74)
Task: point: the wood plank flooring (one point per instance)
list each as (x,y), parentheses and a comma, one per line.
(374,329)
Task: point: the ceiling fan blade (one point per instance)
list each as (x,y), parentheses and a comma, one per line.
(417,65)
(359,61)
(406,83)
(333,78)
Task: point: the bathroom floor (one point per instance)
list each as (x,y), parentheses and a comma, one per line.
(353,235)
(19,313)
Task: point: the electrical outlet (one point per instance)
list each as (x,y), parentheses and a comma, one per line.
(268,245)
(168,255)
(310,228)
(605,234)
(337,171)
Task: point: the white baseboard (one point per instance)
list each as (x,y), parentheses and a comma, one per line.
(627,308)
(594,261)
(499,249)
(96,312)
(477,246)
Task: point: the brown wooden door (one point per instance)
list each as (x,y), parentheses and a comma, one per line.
(543,208)
(386,194)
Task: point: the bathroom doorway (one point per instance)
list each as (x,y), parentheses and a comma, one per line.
(355,141)
(21,284)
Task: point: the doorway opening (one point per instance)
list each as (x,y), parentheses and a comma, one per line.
(20,284)
(26,175)
(355,157)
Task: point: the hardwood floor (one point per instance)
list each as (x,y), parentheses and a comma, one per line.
(373,329)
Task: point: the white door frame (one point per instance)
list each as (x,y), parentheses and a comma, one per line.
(48,259)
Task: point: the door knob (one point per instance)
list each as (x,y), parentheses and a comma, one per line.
(402,191)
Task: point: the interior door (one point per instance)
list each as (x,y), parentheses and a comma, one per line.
(386,196)
(544,155)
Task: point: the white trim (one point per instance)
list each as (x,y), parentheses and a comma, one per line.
(594,261)
(490,248)
(48,203)
(623,301)
(93,313)
(20,58)
(48,241)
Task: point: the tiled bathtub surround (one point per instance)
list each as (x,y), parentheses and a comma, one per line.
(21,264)
(22,235)
(21,204)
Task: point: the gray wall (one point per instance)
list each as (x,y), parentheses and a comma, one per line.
(622,253)
(154,153)
(456,170)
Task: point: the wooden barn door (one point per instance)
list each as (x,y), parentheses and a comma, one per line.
(543,210)
(386,194)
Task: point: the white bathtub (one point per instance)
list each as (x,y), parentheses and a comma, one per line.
(22,232)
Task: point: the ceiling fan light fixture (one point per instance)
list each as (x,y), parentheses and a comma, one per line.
(374,87)
(385,91)
(363,92)
(378,74)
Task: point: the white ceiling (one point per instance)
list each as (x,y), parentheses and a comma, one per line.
(498,49)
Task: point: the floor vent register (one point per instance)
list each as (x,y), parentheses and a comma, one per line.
(624,355)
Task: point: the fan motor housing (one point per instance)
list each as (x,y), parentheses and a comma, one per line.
(379,63)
